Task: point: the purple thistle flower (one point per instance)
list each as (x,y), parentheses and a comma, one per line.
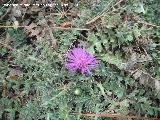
(78,59)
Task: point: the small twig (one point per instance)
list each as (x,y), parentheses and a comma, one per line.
(103,12)
(62,28)
(99,15)
(114,116)
(81,29)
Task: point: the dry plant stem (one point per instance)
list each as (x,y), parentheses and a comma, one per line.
(99,15)
(62,28)
(80,29)
(103,12)
(115,116)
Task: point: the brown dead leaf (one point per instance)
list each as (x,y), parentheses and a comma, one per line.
(66,24)
(136,57)
(146,79)
(35,32)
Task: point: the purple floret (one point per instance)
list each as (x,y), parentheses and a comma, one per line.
(78,59)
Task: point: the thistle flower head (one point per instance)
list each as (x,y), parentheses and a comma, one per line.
(78,59)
